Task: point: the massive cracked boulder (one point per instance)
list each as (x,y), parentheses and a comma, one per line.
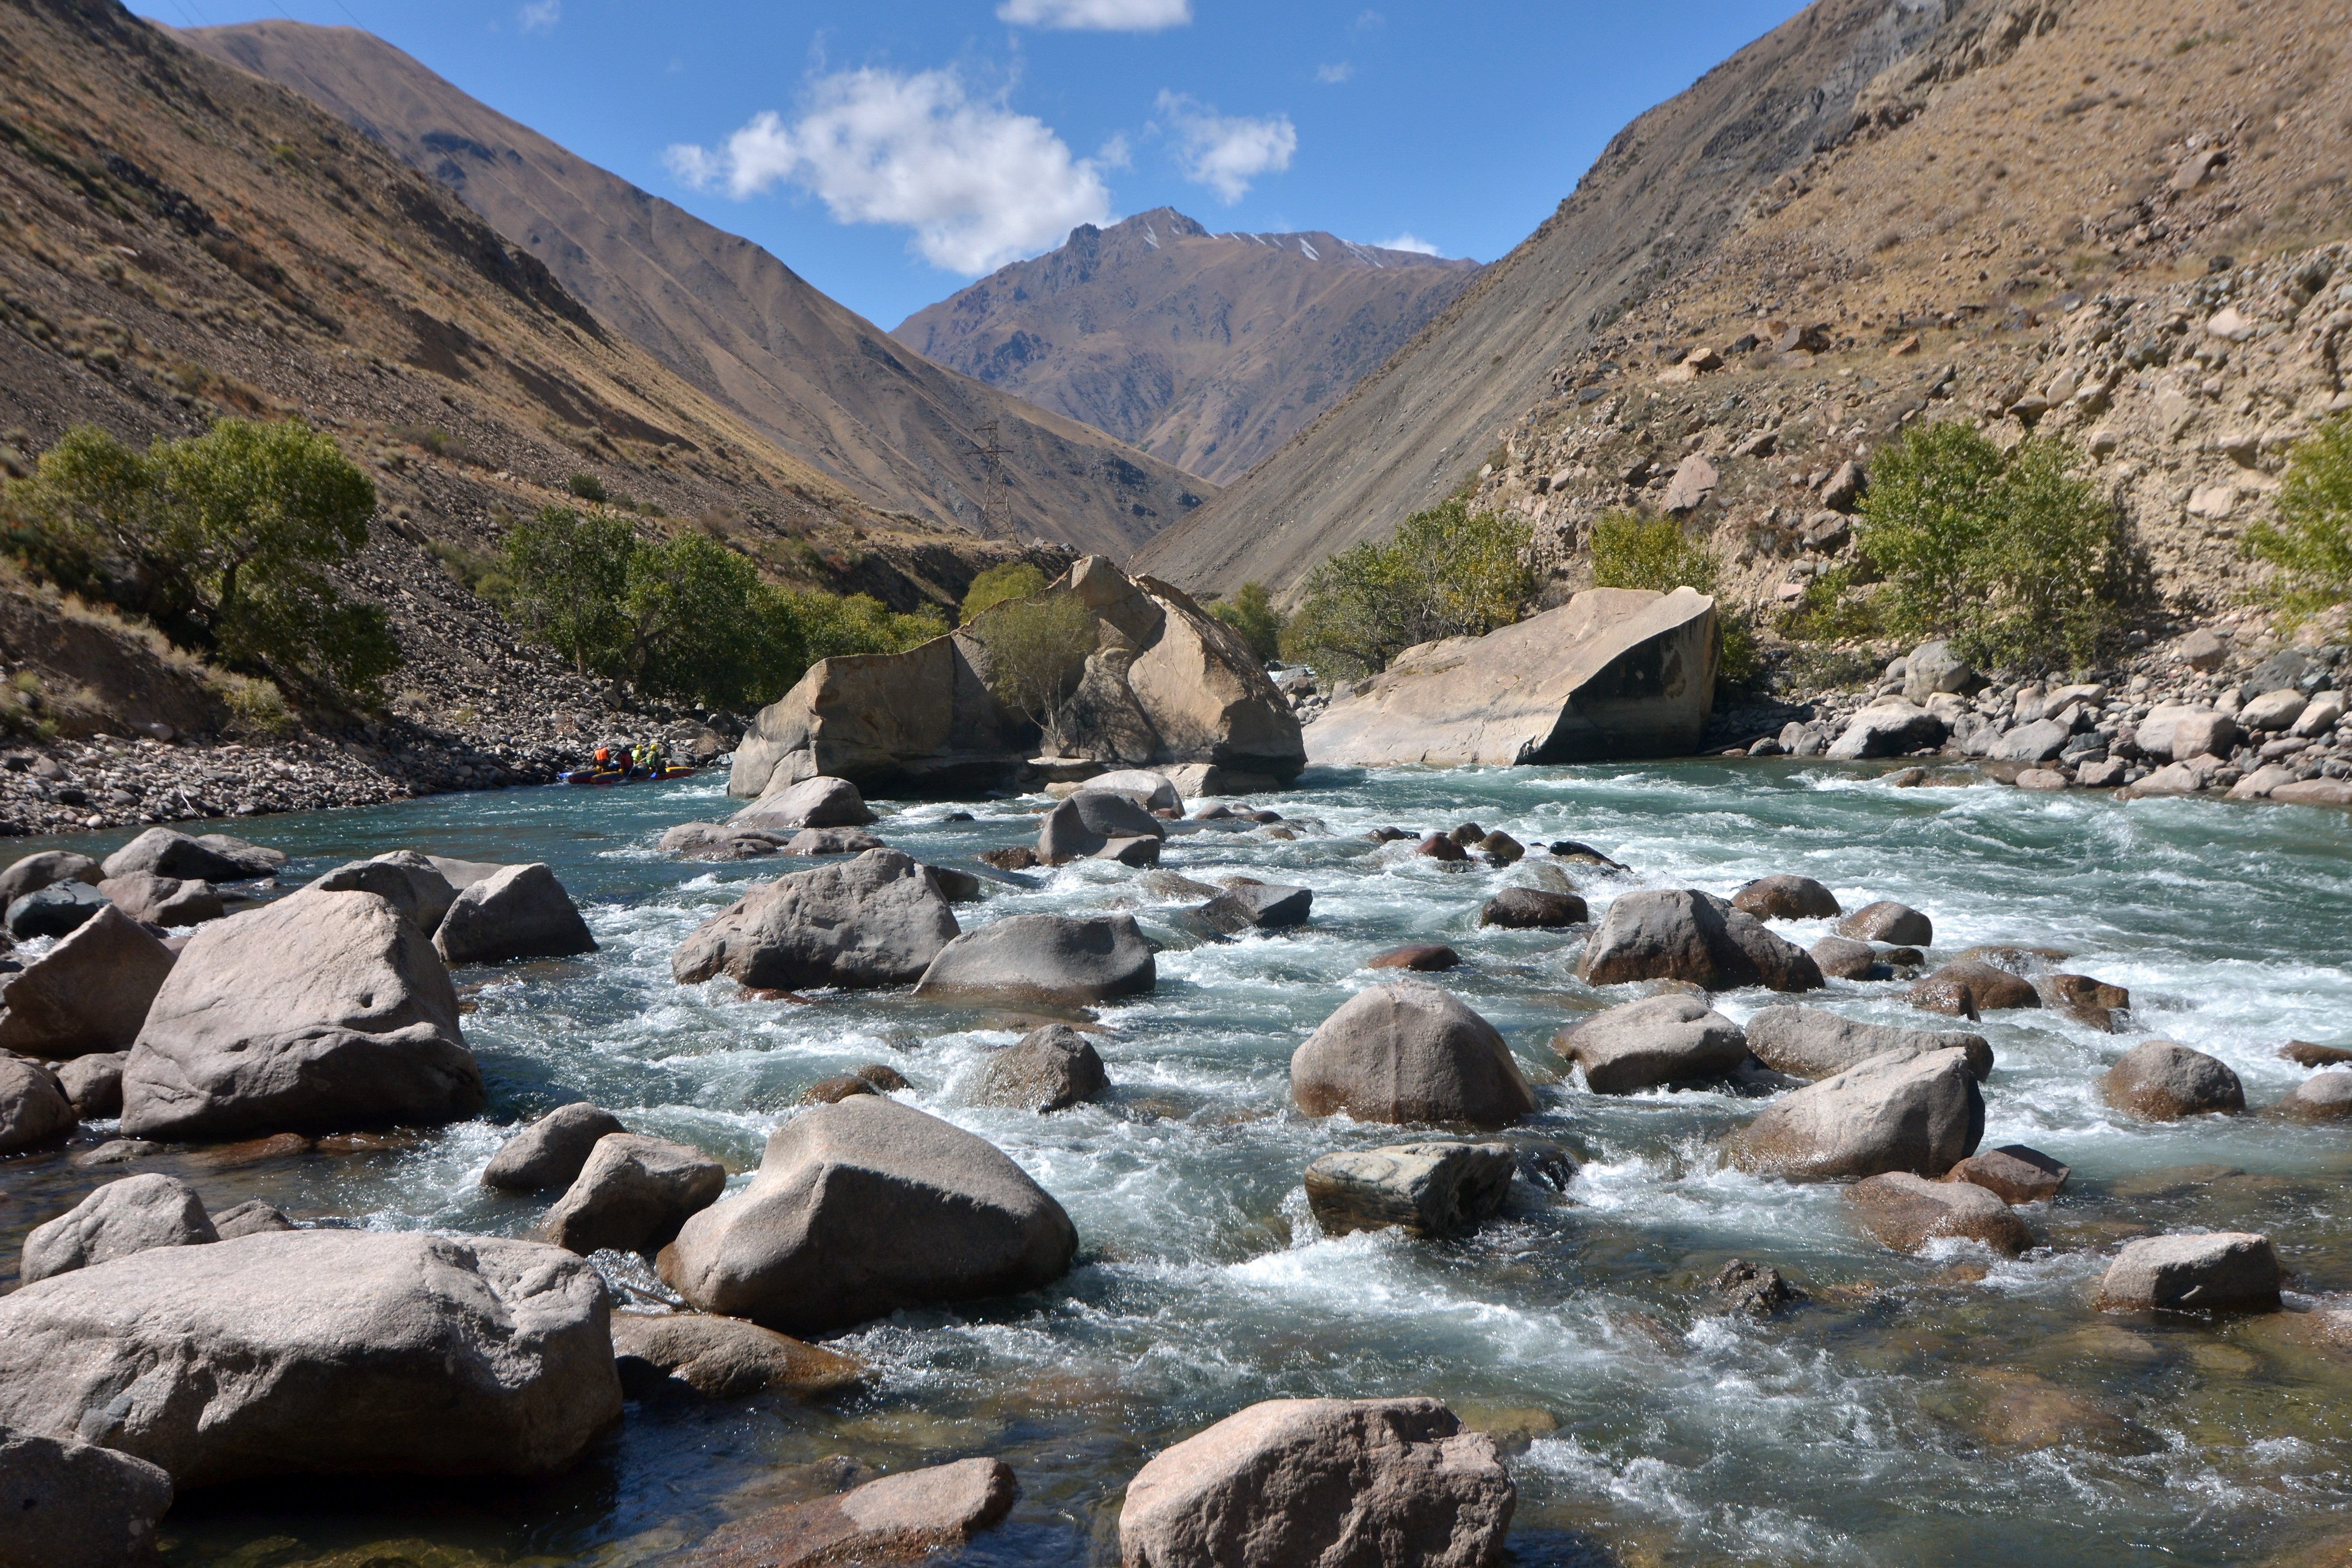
(1614,672)
(1369,1483)
(865,1207)
(1164,684)
(1694,937)
(874,921)
(1059,959)
(318,1353)
(1918,1114)
(319,1013)
(120,1218)
(90,993)
(518,912)
(1408,1052)
(1813,1043)
(76,1505)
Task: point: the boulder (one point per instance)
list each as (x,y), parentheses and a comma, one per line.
(899,1519)
(1918,1114)
(1898,925)
(1815,1043)
(2218,1271)
(1369,1483)
(2175,733)
(1408,1052)
(1195,779)
(861,1209)
(2273,710)
(166,853)
(463,874)
(1969,989)
(2041,741)
(633,1195)
(1423,957)
(1089,823)
(1048,1069)
(552,1151)
(1058,959)
(407,881)
(1695,936)
(1844,958)
(1932,668)
(76,1505)
(1423,1189)
(55,909)
(1906,1212)
(88,993)
(251,1218)
(1166,684)
(1152,791)
(2322,1097)
(322,1012)
(818,803)
(163,900)
(1613,673)
(318,1353)
(2307,792)
(715,841)
(1785,897)
(1887,729)
(34,872)
(1438,847)
(2304,1053)
(1245,905)
(34,1109)
(2013,1172)
(94,1084)
(2084,999)
(1652,1043)
(874,921)
(1533,909)
(2161,1081)
(521,913)
(830,841)
(117,1220)
(955,886)
(720,1358)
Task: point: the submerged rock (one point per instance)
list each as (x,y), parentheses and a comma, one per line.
(1695,936)
(2217,1271)
(1906,1212)
(1654,1041)
(720,1358)
(1048,1069)
(2162,1081)
(120,1218)
(1754,1288)
(1815,1043)
(1921,1113)
(551,1151)
(1424,1190)
(1408,1052)
(874,921)
(1370,1483)
(899,1519)
(1058,959)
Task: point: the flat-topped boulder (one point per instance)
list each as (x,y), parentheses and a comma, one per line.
(2213,1271)
(1653,1043)
(1408,1052)
(1612,673)
(1695,936)
(865,1207)
(1062,960)
(1163,683)
(874,921)
(1815,1043)
(318,1353)
(1422,1189)
(88,993)
(1918,1114)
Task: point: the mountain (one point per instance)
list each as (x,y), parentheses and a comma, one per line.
(1206,349)
(824,385)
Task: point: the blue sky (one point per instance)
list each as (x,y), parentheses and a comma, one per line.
(890,151)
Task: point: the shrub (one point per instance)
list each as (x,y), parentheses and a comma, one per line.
(2013,555)
(1447,573)
(1037,652)
(1012,579)
(1630,550)
(1830,611)
(2309,548)
(834,625)
(570,575)
(588,487)
(1250,612)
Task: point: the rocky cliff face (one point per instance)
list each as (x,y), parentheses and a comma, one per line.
(723,315)
(1206,349)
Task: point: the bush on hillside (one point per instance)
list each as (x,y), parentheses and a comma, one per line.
(1250,612)
(1012,579)
(2309,548)
(588,487)
(2013,555)
(1447,573)
(1630,550)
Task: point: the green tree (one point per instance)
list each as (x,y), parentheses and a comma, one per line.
(2012,554)
(1447,573)
(1037,652)
(2309,548)
(1250,612)
(703,627)
(1630,550)
(570,585)
(834,625)
(1012,579)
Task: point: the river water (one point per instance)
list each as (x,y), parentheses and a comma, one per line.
(1946,1408)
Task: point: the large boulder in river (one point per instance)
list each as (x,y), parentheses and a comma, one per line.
(322,1012)
(2163,1080)
(818,803)
(1059,959)
(1813,1043)
(1049,1068)
(1612,673)
(1422,1189)
(76,1505)
(317,1353)
(552,1151)
(1408,1052)
(2216,1271)
(1655,1042)
(88,993)
(1785,897)
(865,1207)
(34,1109)
(721,1358)
(1369,1483)
(1090,822)
(163,900)
(34,872)
(174,854)
(1695,936)
(874,921)
(1918,1114)
(117,1219)
(522,911)
(633,1195)
(1163,682)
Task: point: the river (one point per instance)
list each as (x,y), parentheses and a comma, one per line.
(1946,1408)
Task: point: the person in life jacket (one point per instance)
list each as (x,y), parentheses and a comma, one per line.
(604,755)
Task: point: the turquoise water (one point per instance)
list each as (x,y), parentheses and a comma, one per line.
(1946,1408)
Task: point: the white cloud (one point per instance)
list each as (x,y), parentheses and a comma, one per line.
(541,15)
(1332,76)
(1099,15)
(978,184)
(1408,241)
(1225,153)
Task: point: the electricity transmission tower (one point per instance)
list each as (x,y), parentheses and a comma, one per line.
(996,482)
